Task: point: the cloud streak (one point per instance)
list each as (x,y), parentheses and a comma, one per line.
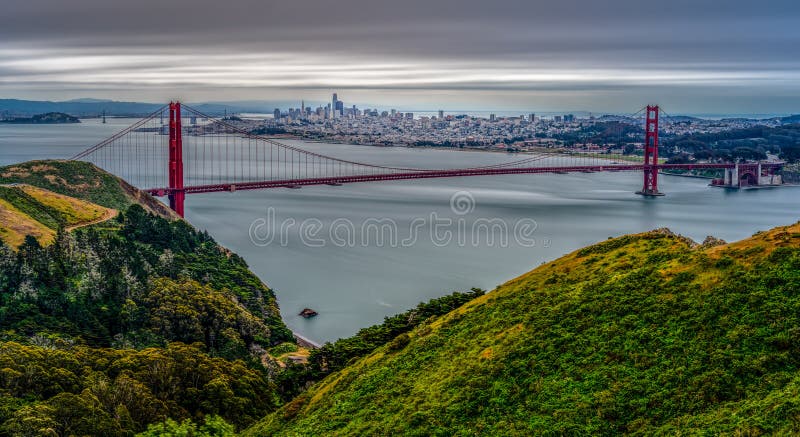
(471,51)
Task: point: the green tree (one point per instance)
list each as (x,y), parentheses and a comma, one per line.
(214,426)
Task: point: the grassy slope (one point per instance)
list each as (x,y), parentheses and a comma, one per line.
(27,210)
(83,181)
(15,225)
(73,211)
(640,334)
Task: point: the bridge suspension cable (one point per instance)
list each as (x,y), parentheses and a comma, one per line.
(216,151)
(208,154)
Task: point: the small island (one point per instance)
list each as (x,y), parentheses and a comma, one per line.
(308,313)
(48,118)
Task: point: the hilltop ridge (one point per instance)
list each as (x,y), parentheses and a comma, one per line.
(26,210)
(82,180)
(641,334)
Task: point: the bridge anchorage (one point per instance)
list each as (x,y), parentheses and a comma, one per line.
(209,155)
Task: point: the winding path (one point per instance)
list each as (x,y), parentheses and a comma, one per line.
(109,214)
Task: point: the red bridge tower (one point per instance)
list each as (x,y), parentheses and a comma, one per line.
(650,187)
(176,193)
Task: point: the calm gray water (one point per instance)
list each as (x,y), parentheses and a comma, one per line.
(337,252)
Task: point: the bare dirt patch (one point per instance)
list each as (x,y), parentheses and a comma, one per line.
(42,168)
(16,172)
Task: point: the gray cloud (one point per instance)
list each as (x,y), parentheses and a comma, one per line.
(546,50)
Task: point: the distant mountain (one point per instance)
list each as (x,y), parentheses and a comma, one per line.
(10,108)
(738,120)
(792,119)
(17,108)
(88,100)
(682,118)
(264,106)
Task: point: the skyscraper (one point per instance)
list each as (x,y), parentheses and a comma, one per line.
(276,114)
(334,103)
(441,115)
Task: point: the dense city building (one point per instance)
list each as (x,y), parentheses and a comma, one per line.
(605,134)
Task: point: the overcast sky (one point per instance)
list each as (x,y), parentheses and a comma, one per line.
(616,55)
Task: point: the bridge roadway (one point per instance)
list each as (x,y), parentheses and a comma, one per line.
(426,174)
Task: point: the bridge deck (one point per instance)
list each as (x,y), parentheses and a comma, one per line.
(283,183)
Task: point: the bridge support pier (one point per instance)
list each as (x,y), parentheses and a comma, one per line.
(176,201)
(748,175)
(650,186)
(176,194)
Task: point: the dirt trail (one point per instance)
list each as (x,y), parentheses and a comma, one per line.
(109,214)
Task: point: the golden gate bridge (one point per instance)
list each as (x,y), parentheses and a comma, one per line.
(214,155)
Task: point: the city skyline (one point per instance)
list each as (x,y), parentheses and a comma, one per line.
(692,57)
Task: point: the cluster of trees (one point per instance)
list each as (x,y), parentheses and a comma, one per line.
(731,145)
(739,144)
(728,150)
(114,327)
(77,390)
(608,132)
(101,287)
(264,130)
(214,426)
(428,143)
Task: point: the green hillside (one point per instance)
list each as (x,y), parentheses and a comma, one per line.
(115,319)
(118,318)
(81,180)
(643,334)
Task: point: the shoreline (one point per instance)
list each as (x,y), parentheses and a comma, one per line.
(751,187)
(626,158)
(305,341)
(686,175)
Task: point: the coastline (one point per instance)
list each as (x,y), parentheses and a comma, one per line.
(752,187)
(627,158)
(305,342)
(686,175)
